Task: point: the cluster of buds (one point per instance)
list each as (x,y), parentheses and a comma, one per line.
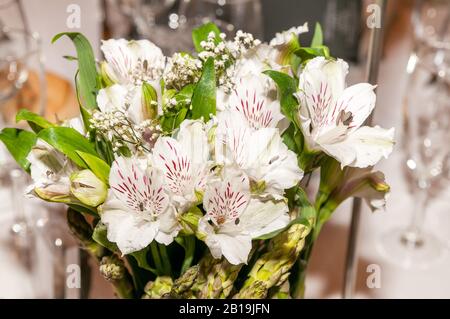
(224,53)
(243,42)
(117,128)
(112,268)
(182,69)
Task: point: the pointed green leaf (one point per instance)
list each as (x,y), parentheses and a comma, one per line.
(88,77)
(142,260)
(68,141)
(98,166)
(204,96)
(287,86)
(201,34)
(317,39)
(100,236)
(149,97)
(19,143)
(36,122)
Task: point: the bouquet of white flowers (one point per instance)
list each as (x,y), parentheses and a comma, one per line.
(185,176)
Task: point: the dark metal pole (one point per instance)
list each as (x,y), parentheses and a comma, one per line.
(373,63)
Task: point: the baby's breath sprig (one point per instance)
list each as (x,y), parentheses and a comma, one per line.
(117,128)
(184,69)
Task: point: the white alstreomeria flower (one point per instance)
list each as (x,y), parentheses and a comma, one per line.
(233,218)
(261,154)
(133,62)
(130,64)
(126,100)
(331,115)
(184,161)
(137,210)
(251,104)
(50,171)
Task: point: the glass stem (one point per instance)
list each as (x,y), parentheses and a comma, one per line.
(413,236)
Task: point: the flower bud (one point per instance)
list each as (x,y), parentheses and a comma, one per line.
(189,221)
(88,188)
(112,268)
(57,192)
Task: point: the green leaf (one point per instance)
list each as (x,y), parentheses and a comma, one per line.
(170,122)
(68,141)
(98,166)
(204,96)
(19,143)
(185,93)
(292,138)
(70,58)
(100,236)
(306,54)
(142,260)
(149,97)
(201,34)
(88,77)
(317,39)
(80,207)
(157,258)
(35,121)
(287,86)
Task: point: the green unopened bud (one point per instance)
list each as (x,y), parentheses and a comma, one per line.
(189,221)
(160,288)
(88,188)
(112,268)
(104,74)
(149,101)
(57,192)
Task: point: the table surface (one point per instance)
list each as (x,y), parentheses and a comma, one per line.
(325,277)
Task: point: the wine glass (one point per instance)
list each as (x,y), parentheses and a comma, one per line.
(426,135)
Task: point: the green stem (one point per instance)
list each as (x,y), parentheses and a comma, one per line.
(165,260)
(189,246)
(156,258)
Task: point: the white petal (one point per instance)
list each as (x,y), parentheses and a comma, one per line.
(225,200)
(120,60)
(112,98)
(76,123)
(194,141)
(359,99)
(168,227)
(271,161)
(321,83)
(148,51)
(363,147)
(235,247)
(126,229)
(253,101)
(135,106)
(264,217)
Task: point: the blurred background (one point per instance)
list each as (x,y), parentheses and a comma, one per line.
(405,248)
